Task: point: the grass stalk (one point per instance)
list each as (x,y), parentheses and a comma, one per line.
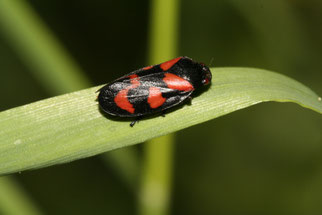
(155,193)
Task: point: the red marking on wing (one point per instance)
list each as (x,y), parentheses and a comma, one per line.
(121,99)
(167,65)
(177,83)
(135,81)
(155,98)
(147,67)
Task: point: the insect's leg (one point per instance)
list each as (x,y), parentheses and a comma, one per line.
(189,100)
(163,113)
(135,121)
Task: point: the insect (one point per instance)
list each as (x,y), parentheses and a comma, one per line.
(153,89)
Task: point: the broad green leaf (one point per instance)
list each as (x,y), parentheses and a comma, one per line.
(69,127)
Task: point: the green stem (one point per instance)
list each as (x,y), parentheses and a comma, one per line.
(13,200)
(39,49)
(156,178)
(155,194)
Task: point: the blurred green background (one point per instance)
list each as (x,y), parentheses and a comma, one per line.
(266,159)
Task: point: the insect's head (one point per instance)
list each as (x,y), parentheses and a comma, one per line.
(206,75)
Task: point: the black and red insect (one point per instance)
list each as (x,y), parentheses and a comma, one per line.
(153,89)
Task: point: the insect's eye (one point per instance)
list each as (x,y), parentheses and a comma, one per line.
(205,81)
(206,76)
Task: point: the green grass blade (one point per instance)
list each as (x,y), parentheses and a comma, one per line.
(38,48)
(70,127)
(14,200)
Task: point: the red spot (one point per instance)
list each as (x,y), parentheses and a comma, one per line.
(147,67)
(177,83)
(135,81)
(167,65)
(133,76)
(121,99)
(155,98)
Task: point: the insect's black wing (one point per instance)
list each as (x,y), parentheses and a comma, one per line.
(149,95)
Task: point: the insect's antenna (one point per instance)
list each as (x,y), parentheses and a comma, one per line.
(211,61)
